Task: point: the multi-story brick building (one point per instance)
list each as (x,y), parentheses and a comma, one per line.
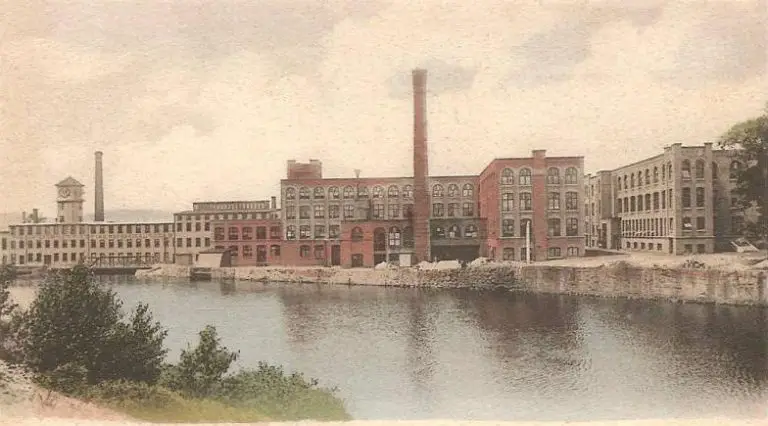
(193,229)
(5,244)
(677,202)
(255,241)
(537,196)
(600,223)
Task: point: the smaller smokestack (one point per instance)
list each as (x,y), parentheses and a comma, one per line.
(98,199)
(357,173)
(35,216)
(274,203)
(23,217)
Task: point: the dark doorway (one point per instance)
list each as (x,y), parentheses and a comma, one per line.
(47,259)
(466,253)
(261,254)
(335,255)
(357,260)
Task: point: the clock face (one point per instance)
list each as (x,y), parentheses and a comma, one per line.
(64,192)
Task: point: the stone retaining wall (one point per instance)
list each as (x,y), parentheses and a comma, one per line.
(748,287)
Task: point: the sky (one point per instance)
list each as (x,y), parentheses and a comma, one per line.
(196,100)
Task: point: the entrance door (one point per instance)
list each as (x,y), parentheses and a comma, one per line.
(335,255)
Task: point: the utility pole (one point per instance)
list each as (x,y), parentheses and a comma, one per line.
(528,242)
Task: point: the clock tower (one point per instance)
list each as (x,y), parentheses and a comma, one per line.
(69,200)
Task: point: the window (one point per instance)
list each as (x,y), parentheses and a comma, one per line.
(553,201)
(303,212)
(394,211)
(378,211)
(319,252)
(304,193)
(392,191)
(468,209)
(333,211)
(467,190)
(233,251)
(357,234)
(508,253)
(333,193)
(687,226)
(319,211)
(701,223)
(362,192)
(438,232)
(349,212)
(274,250)
(408,237)
(571,200)
(525,201)
(408,191)
(290,212)
(290,194)
(507,202)
(553,227)
(525,177)
(319,232)
(304,251)
(685,169)
(304,232)
(554,252)
(247,233)
(714,171)
(508,228)
(318,193)
(437,210)
(378,192)
(573,251)
(553,176)
(655,174)
(655,200)
(470,231)
(233,233)
(699,197)
(647,201)
(437,190)
(572,227)
(571,176)
(453,190)
(247,252)
(618,205)
(507,177)
(349,192)
(334,231)
(274,232)
(454,231)
(686,198)
(647,177)
(395,237)
(699,169)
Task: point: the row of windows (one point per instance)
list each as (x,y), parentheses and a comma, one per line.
(554,227)
(666,171)
(333,211)
(526,201)
(508,253)
(102,258)
(553,176)
(260,251)
(93,229)
(658,200)
(199,242)
(393,191)
(225,216)
(305,232)
(119,243)
(246,233)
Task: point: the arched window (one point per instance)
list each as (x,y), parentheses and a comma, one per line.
(393,192)
(378,192)
(663,173)
(408,191)
(685,169)
(437,190)
(715,171)
(304,193)
(618,183)
(507,177)
(525,177)
(290,194)
(733,173)
(553,176)
(571,176)
(699,169)
(647,177)
(525,201)
(454,231)
(357,234)
(655,174)
(453,190)
(625,181)
(669,170)
(470,231)
(333,192)
(467,190)
(632,180)
(349,192)
(395,237)
(408,237)
(319,193)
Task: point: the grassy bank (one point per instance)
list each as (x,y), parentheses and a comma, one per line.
(75,341)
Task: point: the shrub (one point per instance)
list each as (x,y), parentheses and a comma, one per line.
(75,322)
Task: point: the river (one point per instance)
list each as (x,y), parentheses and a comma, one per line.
(440,354)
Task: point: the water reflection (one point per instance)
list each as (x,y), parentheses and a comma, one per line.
(410,353)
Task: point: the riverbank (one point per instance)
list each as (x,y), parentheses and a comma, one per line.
(722,278)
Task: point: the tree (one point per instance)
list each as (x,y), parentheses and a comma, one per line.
(74,325)
(7,274)
(748,141)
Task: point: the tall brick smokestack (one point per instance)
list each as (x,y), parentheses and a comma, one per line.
(421,198)
(98,199)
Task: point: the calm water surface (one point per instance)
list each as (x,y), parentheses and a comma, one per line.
(416,354)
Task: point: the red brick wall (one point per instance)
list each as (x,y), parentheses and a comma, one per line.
(253,243)
(364,247)
(539,195)
(488,201)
